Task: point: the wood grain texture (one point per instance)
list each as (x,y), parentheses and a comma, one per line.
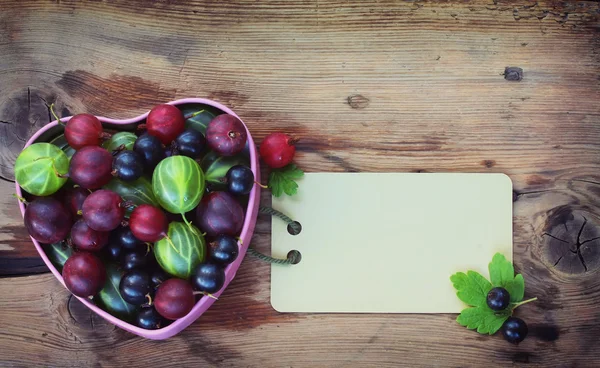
(17,253)
(378,86)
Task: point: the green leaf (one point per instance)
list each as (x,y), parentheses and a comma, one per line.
(204,115)
(290,187)
(126,139)
(502,273)
(472,287)
(293,172)
(516,288)
(283,180)
(275,184)
(485,320)
(215,167)
(501,270)
(58,253)
(110,299)
(138,191)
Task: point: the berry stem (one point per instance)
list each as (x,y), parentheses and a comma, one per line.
(515,305)
(185,220)
(149,299)
(188,223)
(205,294)
(261,185)
(51,107)
(21,199)
(189,116)
(211,296)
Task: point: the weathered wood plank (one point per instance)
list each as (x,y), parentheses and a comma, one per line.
(368,86)
(17,253)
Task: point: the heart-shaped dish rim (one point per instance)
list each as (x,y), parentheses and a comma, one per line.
(205,302)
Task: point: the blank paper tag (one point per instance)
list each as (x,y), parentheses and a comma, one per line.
(388,243)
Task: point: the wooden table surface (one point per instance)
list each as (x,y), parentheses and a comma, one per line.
(377,86)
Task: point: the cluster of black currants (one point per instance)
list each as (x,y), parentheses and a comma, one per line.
(514,329)
(209,277)
(148,151)
(143,277)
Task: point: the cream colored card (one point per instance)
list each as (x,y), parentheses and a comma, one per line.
(388,242)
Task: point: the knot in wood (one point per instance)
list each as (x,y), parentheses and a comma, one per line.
(358,101)
(85,318)
(22,113)
(571,240)
(513,73)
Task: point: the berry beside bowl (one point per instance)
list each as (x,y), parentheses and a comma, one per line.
(122,233)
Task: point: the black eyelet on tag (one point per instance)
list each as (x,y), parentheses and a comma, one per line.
(294,256)
(294,228)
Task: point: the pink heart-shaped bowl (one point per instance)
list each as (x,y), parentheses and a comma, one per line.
(52,129)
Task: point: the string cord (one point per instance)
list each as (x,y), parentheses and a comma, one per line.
(293,257)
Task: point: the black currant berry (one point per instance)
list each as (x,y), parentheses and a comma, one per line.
(514,330)
(498,298)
